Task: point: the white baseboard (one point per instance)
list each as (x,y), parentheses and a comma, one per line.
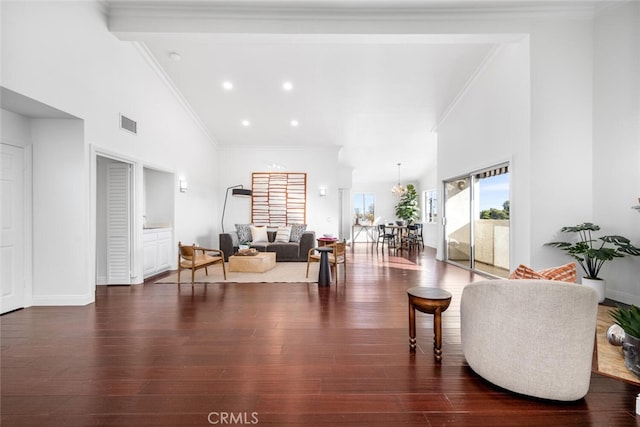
(57,300)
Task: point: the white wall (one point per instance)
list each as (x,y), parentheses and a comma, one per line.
(321,165)
(561,134)
(488,126)
(63,55)
(16,129)
(159,207)
(616,140)
(570,130)
(61,222)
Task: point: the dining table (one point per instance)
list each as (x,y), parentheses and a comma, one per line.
(369,232)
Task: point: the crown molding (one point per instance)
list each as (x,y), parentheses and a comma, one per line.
(153,63)
(386,9)
(283,148)
(206,16)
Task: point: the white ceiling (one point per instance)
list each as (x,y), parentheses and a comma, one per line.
(366,98)
(378,96)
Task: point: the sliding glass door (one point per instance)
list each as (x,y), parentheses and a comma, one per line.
(457,194)
(477,224)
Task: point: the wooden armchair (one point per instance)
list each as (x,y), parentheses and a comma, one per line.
(338,256)
(189,258)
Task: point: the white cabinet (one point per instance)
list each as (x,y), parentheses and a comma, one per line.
(157,250)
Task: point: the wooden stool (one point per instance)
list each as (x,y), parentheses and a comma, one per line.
(431,301)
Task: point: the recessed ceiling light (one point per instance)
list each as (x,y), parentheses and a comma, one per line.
(246,123)
(287,86)
(175,56)
(294,123)
(227,85)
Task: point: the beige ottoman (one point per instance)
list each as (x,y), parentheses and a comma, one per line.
(260,263)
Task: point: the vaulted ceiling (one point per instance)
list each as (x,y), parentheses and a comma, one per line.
(361,79)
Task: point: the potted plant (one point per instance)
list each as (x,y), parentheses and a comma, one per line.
(244,245)
(407,208)
(629,320)
(592,253)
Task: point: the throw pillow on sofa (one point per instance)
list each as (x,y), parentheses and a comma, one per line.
(283,234)
(564,273)
(296,232)
(244,232)
(259,234)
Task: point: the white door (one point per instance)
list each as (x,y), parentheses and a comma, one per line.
(118,223)
(12,226)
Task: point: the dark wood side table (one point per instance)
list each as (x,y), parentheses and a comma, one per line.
(431,301)
(324,273)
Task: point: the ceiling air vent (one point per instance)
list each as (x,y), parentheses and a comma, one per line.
(127,124)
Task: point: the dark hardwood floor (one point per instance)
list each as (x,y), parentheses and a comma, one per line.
(268,354)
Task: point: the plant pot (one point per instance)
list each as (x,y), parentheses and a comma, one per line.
(241,247)
(597,285)
(631,350)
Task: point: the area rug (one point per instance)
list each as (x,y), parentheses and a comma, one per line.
(283,272)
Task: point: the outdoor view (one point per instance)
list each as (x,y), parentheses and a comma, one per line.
(491,230)
(494,197)
(484,243)
(364,208)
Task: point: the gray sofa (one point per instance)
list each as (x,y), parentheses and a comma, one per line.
(285,252)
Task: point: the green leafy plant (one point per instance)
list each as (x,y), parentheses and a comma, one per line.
(592,253)
(407,208)
(628,319)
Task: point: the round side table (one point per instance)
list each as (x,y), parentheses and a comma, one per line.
(431,301)
(324,273)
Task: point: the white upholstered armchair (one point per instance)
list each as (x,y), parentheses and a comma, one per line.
(533,337)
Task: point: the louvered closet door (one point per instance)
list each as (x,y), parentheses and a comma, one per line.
(118,223)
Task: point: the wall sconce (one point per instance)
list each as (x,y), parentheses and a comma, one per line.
(323,191)
(183,185)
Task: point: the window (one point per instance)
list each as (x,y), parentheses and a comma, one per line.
(363,208)
(430,203)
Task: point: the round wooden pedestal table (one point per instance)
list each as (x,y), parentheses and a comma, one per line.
(431,301)
(324,272)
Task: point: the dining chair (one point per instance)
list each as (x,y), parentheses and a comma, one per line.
(385,236)
(420,235)
(189,258)
(412,238)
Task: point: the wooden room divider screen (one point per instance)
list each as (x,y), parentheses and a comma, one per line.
(279,198)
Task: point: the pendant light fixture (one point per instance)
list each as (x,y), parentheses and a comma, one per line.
(398,189)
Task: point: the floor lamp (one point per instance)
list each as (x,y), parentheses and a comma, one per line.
(236,190)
